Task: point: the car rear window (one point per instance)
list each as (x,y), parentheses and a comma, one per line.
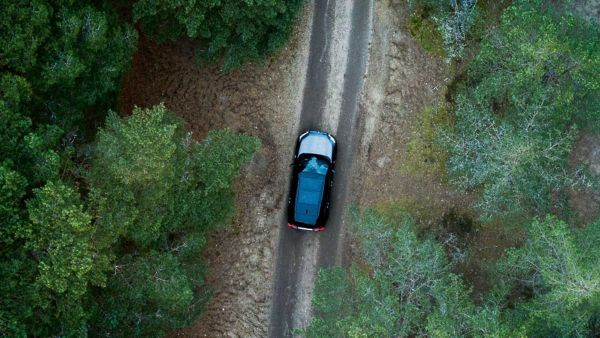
(310,190)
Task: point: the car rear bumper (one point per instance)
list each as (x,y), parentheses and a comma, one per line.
(293,226)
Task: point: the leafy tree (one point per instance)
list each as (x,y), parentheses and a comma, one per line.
(71,52)
(157,192)
(12,190)
(149,176)
(560,268)
(46,279)
(405,289)
(238,31)
(132,174)
(60,237)
(532,81)
(147,295)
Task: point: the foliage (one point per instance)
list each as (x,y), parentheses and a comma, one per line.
(60,236)
(60,59)
(160,192)
(51,264)
(237,31)
(147,295)
(426,32)
(132,174)
(425,155)
(149,177)
(442,26)
(559,267)
(72,54)
(530,84)
(71,245)
(404,289)
(455,25)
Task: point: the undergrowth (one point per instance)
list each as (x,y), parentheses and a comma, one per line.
(425,156)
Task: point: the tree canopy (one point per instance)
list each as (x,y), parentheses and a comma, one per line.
(60,61)
(559,266)
(403,288)
(236,31)
(530,88)
(157,193)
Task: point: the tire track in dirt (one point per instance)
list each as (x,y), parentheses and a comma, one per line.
(301,254)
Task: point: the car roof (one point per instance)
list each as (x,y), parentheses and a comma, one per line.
(309,197)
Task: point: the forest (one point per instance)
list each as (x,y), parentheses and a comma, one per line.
(104,214)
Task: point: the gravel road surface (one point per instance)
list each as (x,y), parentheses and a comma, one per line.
(341,33)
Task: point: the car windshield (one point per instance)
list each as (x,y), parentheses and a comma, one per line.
(314,164)
(311,182)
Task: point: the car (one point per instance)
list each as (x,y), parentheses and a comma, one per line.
(312,181)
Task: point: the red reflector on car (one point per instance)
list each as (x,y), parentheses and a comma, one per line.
(307,229)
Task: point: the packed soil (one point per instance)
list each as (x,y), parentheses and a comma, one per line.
(261,100)
(402,80)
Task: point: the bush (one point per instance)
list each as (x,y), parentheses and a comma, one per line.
(425,30)
(442,26)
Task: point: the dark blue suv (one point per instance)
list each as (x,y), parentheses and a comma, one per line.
(312,180)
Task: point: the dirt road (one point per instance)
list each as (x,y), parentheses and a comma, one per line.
(337,64)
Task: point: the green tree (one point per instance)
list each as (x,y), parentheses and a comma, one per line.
(533,80)
(404,288)
(157,193)
(237,31)
(559,267)
(149,176)
(60,237)
(60,60)
(146,296)
(133,174)
(51,265)
(71,52)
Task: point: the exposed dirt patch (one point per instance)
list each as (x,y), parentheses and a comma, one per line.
(261,100)
(403,79)
(586,203)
